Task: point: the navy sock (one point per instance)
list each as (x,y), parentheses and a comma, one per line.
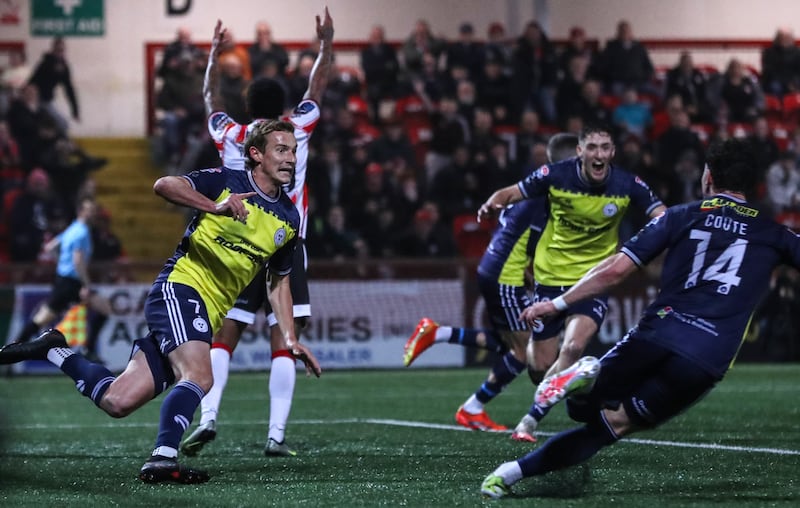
(177,412)
(505,370)
(567,448)
(91,379)
(468,337)
(538,412)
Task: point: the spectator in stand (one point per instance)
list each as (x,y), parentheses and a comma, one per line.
(448,130)
(494,90)
(626,62)
(32,125)
(233,86)
(765,149)
(229,48)
(529,134)
(677,140)
(265,52)
(35,216)
(177,50)
(329,179)
(298,82)
(534,67)
(578,46)
(427,236)
(589,107)
(107,248)
(498,46)
(12,78)
(740,94)
(430,83)
(783,184)
(638,159)
(52,71)
(381,69)
(467,97)
(181,101)
(692,86)
(632,116)
(483,137)
(568,91)
(420,41)
(458,186)
(466,51)
(372,210)
(392,143)
(780,64)
(335,240)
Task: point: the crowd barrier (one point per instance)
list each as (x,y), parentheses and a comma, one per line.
(363,312)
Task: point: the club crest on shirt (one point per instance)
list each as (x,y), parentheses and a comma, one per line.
(280,237)
(610,210)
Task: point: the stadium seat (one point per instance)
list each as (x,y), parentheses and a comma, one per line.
(740,130)
(472,237)
(773,108)
(791,107)
(779,132)
(704,131)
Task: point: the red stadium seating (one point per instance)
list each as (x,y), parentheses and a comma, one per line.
(472,237)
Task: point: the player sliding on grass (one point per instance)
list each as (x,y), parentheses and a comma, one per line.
(721,253)
(244,220)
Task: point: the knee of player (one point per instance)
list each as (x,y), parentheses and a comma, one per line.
(619,421)
(118,406)
(571,351)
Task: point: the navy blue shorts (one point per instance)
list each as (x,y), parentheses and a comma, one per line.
(595,308)
(504,304)
(653,383)
(254,296)
(175,313)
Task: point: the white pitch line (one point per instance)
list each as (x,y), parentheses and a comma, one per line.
(406,423)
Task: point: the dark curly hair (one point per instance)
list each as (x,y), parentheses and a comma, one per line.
(265,98)
(733,166)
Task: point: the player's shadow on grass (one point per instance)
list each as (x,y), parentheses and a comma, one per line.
(568,483)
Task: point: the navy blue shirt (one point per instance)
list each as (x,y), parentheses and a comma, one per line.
(721,255)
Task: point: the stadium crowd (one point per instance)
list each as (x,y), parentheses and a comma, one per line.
(414,139)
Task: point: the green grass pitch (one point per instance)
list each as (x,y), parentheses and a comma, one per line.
(388,438)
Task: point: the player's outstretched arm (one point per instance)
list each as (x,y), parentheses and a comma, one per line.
(318,79)
(499,200)
(280,299)
(179,191)
(605,275)
(212,97)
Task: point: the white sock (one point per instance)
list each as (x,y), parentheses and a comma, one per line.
(220,364)
(510,472)
(473,406)
(57,355)
(443,334)
(281,390)
(166,451)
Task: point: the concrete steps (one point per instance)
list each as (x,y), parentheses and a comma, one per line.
(148,227)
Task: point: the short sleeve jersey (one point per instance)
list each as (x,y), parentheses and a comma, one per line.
(219,256)
(583,224)
(77,237)
(229,137)
(721,255)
